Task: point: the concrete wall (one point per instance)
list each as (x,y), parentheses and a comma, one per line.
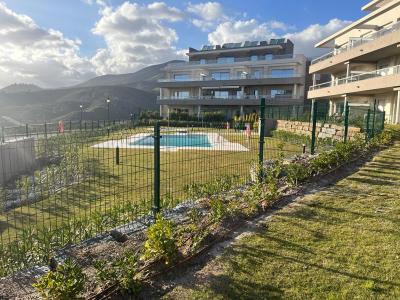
(16,158)
(335,132)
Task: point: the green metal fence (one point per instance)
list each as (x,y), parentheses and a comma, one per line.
(70,181)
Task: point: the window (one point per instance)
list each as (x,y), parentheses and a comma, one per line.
(280,92)
(254,58)
(257,74)
(203,61)
(181,94)
(279,73)
(225,60)
(221,94)
(268,57)
(220,76)
(181,77)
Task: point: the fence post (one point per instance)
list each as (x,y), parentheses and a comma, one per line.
(383,121)
(157,137)
(373,120)
(314,126)
(117,155)
(367,134)
(346,121)
(261,140)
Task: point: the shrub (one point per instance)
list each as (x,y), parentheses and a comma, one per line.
(161,242)
(67,282)
(126,271)
(219,209)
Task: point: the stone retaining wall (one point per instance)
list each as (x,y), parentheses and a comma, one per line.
(335,132)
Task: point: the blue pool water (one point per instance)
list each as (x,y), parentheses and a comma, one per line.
(175,140)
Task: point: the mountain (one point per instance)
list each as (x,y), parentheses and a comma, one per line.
(20,88)
(144,79)
(129,93)
(57,104)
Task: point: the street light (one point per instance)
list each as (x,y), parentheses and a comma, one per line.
(80,123)
(108,100)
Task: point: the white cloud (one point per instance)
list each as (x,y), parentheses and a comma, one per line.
(29,53)
(135,36)
(206,15)
(305,40)
(242,30)
(237,31)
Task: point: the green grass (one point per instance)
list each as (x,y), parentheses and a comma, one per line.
(131,183)
(339,243)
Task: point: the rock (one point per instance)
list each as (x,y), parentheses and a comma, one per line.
(118,236)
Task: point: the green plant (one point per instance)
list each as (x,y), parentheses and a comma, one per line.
(296,173)
(218,210)
(126,273)
(104,272)
(67,282)
(161,241)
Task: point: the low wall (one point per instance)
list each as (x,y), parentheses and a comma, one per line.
(16,158)
(335,132)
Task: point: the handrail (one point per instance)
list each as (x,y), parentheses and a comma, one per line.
(232,97)
(353,43)
(209,78)
(358,77)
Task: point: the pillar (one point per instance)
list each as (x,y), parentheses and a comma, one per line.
(295,91)
(241,111)
(397,116)
(198,112)
(331,112)
(348,71)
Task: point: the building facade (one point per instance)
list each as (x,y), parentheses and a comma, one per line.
(364,62)
(233,77)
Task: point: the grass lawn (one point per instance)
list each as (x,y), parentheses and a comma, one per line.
(340,243)
(131,183)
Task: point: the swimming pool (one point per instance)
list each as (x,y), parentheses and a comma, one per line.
(176,140)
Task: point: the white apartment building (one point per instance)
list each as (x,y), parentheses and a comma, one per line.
(233,77)
(364,62)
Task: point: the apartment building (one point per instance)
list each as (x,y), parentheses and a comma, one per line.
(364,62)
(233,77)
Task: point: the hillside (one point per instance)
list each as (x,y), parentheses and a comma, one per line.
(144,79)
(52,105)
(20,88)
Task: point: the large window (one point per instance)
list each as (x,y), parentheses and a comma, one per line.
(181,77)
(220,75)
(280,93)
(279,73)
(225,60)
(257,74)
(182,94)
(221,94)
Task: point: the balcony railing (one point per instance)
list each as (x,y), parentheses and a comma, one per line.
(236,60)
(208,78)
(231,97)
(359,41)
(358,77)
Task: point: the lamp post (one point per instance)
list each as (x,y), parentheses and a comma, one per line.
(80,123)
(108,100)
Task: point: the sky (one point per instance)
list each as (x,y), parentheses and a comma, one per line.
(54,43)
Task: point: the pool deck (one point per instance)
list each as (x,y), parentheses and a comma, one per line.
(218,143)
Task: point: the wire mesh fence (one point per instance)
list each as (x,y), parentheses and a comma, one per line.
(62,183)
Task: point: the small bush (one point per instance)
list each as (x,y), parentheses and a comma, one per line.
(66,283)
(161,242)
(219,209)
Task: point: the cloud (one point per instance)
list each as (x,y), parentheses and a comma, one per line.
(29,53)
(306,39)
(237,31)
(136,36)
(206,15)
(242,30)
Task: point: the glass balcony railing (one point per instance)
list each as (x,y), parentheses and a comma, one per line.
(242,77)
(230,97)
(236,60)
(358,77)
(355,42)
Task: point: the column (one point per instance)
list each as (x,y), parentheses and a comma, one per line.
(241,111)
(314,79)
(348,71)
(397,116)
(198,112)
(330,107)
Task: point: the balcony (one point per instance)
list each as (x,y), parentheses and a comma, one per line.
(236,60)
(355,44)
(382,79)
(230,100)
